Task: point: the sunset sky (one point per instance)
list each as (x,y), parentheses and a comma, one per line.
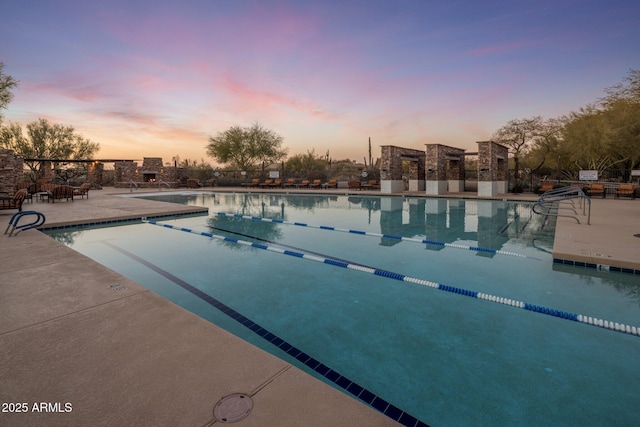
(157,78)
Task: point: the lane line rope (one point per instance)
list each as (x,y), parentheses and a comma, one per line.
(588,320)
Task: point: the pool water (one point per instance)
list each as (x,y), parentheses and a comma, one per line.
(444,358)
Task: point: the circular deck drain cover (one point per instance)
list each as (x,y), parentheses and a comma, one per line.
(232,408)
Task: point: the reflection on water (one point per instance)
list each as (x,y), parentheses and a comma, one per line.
(488,224)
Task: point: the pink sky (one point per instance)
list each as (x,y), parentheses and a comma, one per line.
(156,79)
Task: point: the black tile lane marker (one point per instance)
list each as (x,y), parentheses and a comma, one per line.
(344,383)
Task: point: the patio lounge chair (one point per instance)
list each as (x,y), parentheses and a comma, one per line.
(193,183)
(303,184)
(266,183)
(289,183)
(82,191)
(275,184)
(254,183)
(355,185)
(373,183)
(597,189)
(15,202)
(626,190)
(315,184)
(545,186)
(333,183)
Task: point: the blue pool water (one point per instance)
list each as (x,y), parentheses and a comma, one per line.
(443,357)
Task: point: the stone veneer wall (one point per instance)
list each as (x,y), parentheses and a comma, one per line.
(153,164)
(11,171)
(125,171)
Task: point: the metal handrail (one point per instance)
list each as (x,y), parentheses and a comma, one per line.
(15,219)
(552,199)
(162,182)
(132,184)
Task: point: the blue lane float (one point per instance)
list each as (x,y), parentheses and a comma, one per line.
(379,235)
(574,317)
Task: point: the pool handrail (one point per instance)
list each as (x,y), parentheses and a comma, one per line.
(160,182)
(552,199)
(132,185)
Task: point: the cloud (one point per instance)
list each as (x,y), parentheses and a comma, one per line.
(249,100)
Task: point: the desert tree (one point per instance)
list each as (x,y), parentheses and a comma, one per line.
(6,84)
(44,140)
(518,135)
(246,148)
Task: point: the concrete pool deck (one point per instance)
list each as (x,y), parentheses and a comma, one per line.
(74,332)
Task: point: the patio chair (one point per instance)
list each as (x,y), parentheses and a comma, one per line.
(193,183)
(275,184)
(597,189)
(355,185)
(61,192)
(289,183)
(626,190)
(82,191)
(333,183)
(30,190)
(266,183)
(545,186)
(254,183)
(316,183)
(303,184)
(14,202)
(373,183)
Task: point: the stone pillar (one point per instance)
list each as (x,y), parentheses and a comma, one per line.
(46,172)
(416,175)
(391,169)
(492,168)
(95,174)
(11,171)
(445,169)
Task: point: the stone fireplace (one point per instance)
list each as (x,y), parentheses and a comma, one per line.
(152,173)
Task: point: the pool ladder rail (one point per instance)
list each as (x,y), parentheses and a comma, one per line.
(550,201)
(15,219)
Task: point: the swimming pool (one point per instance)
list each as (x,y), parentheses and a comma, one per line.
(447,358)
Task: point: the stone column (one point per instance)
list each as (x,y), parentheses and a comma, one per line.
(445,169)
(11,170)
(95,174)
(391,170)
(492,168)
(46,172)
